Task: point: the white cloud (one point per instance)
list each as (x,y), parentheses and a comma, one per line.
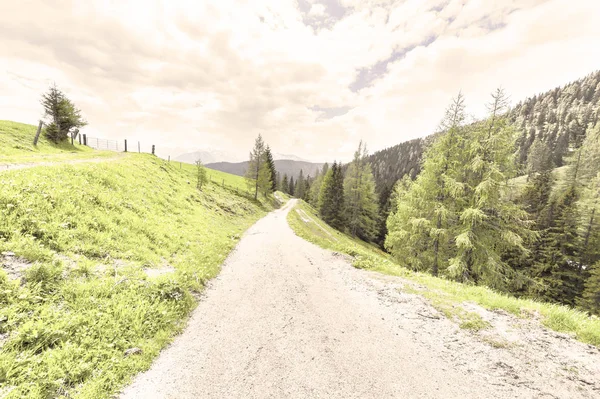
(188,74)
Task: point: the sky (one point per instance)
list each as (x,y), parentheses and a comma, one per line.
(312,76)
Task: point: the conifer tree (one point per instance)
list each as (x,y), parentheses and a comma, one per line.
(285,186)
(300,186)
(292,187)
(359,197)
(331,197)
(316,186)
(426,211)
(489,225)
(271,166)
(591,294)
(557,268)
(258,174)
(64,116)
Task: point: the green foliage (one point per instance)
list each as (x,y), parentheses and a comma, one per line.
(64,116)
(300,186)
(331,197)
(258,175)
(201,176)
(315,188)
(360,200)
(591,295)
(91,231)
(285,185)
(271,166)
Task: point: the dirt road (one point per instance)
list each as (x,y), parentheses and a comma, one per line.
(286,319)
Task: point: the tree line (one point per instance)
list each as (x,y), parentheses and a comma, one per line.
(560,118)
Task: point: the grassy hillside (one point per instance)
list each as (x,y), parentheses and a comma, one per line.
(103,258)
(16,146)
(447,296)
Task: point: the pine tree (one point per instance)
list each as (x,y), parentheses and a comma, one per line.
(64,116)
(300,186)
(285,186)
(359,197)
(539,158)
(591,295)
(331,198)
(258,174)
(292,187)
(271,167)
(557,269)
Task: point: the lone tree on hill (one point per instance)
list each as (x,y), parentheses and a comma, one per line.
(64,117)
(201,174)
(258,175)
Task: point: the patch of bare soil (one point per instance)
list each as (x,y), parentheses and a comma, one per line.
(13,265)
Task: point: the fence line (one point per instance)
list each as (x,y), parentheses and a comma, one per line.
(115,145)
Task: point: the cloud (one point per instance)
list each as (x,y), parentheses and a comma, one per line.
(312,76)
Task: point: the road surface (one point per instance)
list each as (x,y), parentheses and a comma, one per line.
(286,319)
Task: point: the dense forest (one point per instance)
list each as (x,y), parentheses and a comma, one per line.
(560,118)
(511,201)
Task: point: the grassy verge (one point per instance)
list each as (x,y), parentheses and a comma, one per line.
(16,146)
(102,258)
(445,295)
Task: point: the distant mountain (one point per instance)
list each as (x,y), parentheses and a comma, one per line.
(288,167)
(208,156)
(214,156)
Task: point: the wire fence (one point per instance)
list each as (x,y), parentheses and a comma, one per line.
(103,144)
(116,145)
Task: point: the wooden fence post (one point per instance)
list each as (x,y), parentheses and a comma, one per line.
(125,145)
(37,135)
(85,139)
(139,147)
(79,137)
(169,159)
(152,149)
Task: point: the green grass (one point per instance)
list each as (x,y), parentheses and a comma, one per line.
(89,232)
(16,146)
(445,295)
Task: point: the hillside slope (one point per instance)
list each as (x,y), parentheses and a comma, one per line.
(16,146)
(559,116)
(101,264)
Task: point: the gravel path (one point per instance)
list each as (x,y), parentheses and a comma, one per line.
(286,319)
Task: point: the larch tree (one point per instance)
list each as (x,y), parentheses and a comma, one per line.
(258,174)
(316,185)
(489,225)
(361,210)
(426,211)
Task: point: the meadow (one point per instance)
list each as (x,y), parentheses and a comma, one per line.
(103,263)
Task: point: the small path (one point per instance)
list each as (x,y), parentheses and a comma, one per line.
(286,319)
(27,165)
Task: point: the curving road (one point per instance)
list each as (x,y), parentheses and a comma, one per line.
(286,319)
